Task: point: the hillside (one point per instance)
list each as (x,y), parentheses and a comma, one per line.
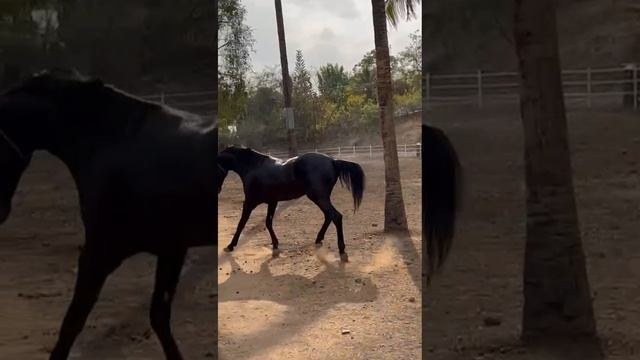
(596,33)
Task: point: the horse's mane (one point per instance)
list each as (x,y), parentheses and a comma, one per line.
(248,155)
(59,79)
(50,79)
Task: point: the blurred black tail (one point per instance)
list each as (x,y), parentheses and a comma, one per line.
(352,177)
(441,186)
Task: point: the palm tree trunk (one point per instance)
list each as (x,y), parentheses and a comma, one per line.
(395,218)
(557,298)
(286,81)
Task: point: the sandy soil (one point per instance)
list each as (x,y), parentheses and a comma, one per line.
(297,306)
(38,255)
(483,278)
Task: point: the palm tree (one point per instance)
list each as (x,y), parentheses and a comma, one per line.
(395,218)
(286,81)
(557,298)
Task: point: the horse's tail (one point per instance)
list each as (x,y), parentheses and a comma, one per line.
(352,177)
(442,184)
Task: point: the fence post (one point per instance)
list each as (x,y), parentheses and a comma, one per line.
(162,97)
(370,151)
(354,150)
(405,149)
(427,91)
(338,150)
(480,89)
(589,87)
(418,152)
(630,86)
(635,86)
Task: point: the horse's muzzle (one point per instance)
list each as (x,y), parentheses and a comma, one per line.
(4,213)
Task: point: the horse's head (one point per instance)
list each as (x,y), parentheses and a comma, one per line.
(235,157)
(30,117)
(15,155)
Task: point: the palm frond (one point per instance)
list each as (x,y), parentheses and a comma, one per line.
(400,9)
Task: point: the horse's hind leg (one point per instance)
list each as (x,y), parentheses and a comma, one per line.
(167,277)
(93,269)
(337,221)
(330,212)
(271,210)
(323,230)
(247,208)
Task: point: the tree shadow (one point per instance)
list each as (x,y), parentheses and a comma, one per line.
(517,349)
(403,242)
(296,293)
(552,349)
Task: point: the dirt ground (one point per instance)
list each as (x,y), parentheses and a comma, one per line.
(38,255)
(482,280)
(297,306)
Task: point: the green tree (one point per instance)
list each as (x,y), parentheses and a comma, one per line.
(410,61)
(235,44)
(304,99)
(22,40)
(332,83)
(363,78)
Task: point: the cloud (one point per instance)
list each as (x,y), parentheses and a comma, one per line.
(329,31)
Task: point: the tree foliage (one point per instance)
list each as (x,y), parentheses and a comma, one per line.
(235,44)
(151,46)
(338,103)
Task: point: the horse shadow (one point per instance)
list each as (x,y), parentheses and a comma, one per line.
(305,298)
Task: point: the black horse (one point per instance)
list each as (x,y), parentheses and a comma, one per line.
(145,177)
(267,180)
(441,186)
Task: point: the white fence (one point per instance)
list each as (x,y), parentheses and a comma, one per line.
(370,151)
(617,87)
(200,102)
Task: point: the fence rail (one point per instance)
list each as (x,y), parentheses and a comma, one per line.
(370,151)
(614,86)
(197,102)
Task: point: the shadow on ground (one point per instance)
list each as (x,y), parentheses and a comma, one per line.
(296,292)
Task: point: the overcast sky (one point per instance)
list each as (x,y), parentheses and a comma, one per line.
(327,31)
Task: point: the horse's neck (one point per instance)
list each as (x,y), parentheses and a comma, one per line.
(79,147)
(258,162)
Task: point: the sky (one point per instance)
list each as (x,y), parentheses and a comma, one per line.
(327,31)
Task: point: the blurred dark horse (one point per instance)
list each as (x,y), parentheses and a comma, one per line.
(145,176)
(441,187)
(267,180)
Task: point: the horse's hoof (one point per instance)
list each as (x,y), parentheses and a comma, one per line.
(275,253)
(318,245)
(228,249)
(344,257)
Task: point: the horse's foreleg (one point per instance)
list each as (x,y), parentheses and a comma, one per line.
(269,222)
(167,277)
(93,269)
(246,212)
